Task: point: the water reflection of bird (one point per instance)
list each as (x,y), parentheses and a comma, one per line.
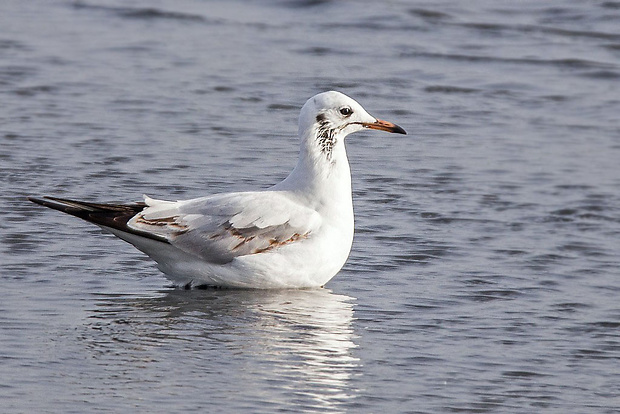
(299,341)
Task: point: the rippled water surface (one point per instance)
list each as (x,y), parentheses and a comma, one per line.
(484,275)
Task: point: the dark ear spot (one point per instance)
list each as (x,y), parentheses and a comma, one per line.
(320,118)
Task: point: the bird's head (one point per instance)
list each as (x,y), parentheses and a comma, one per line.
(329,117)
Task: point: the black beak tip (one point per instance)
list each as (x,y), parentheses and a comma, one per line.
(399,130)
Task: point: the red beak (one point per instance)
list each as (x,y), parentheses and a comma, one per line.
(382,125)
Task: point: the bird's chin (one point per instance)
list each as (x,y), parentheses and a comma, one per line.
(353,127)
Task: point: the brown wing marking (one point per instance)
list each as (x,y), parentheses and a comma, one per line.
(168,222)
(274,243)
(263,237)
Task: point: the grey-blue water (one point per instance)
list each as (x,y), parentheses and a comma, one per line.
(485,271)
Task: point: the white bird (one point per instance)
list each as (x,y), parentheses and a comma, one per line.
(296,234)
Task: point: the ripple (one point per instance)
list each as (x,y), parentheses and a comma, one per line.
(567,63)
(528,29)
(147,13)
(151,13)
(35,90)
(488,295)
(449,89)
(282,107)
(303,4)
(522,374)
(571,307)
(10,44)
(429,15)
(14,73)
(322,51)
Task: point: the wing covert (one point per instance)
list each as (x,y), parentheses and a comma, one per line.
(219,228)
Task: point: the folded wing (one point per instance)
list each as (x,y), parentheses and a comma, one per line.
(221,227)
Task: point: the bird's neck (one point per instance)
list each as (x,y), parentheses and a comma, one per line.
(322,177)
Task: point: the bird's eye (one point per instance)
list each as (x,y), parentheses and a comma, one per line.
(346,111)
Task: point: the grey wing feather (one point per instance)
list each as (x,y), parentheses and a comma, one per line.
(221,227)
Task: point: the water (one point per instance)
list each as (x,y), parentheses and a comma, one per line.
(484,275)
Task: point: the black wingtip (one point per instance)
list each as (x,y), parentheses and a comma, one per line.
(114,216)
(46,201)
(77,209)
(37,200)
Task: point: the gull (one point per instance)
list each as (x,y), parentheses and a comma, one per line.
(295,234)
